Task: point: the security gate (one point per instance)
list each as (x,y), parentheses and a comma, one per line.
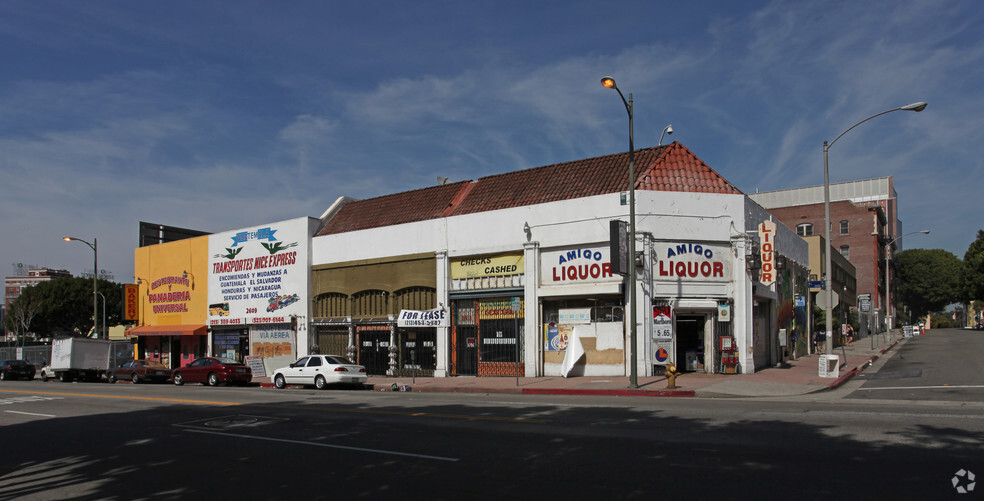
(374,343)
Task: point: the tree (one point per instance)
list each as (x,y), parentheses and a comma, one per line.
(22,313)
(928,279)
(973,278)
(66,306)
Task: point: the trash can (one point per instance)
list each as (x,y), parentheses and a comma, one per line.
(829,365)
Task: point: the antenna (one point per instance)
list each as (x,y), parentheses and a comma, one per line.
(441,181)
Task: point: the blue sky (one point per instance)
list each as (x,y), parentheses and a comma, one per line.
(222,115)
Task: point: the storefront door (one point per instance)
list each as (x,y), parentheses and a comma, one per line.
(690,342)
(374,349)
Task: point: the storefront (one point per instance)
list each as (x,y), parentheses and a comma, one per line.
(582,304)
(487,315)
(356,309)
(259,282)
(691,306)
(169,302)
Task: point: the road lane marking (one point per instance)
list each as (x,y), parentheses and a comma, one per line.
(126,397)
(948,387)
(296,408)
(331,446)
(31,414)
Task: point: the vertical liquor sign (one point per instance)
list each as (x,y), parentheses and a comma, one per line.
(767,239)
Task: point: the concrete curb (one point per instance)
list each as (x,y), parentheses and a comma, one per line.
(618,393)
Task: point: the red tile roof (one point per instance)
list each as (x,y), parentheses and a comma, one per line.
(662,168)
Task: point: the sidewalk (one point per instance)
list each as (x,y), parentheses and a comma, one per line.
(795,377)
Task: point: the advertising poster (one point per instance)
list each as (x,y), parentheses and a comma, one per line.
(258,275)
(274,343)
(556,336)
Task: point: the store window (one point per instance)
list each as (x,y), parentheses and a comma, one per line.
(804,229)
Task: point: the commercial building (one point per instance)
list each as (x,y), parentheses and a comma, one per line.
(508,275)
(863,218)
(511,271)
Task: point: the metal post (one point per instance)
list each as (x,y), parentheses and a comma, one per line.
(918,106)
(633,363)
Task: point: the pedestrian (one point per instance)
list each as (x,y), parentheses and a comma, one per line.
(850,334)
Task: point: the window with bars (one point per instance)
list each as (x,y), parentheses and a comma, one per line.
(331,305)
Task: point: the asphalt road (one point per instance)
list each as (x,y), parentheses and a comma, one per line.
(948,365)
(124,441)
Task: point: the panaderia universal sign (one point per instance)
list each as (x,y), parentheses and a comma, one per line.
(692,262)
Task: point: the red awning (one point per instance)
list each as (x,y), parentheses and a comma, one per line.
(168,330)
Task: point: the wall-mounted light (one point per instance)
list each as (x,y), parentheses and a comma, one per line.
(185,274)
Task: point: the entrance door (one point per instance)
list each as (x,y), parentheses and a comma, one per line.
(465,349)
(374,350)
(689,334)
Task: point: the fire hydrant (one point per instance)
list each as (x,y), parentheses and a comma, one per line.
(671,375)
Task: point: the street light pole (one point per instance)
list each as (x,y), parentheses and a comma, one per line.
(105,335)
(828,310)
(609,82)
(95,278)
(888,303)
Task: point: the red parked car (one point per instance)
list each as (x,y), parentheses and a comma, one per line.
(212,371)
(139,371)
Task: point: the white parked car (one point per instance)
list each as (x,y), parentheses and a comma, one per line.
(320,371)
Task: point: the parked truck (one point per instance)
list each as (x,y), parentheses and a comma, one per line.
(79,358)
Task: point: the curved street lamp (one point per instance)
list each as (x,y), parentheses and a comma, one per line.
(95,277)
(609,82)
(888,303)
(828,310)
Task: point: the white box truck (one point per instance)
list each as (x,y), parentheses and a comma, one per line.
(78,358)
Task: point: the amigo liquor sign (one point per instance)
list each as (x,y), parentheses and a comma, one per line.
(692,262)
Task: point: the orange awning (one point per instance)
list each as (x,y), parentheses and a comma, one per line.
(168,330)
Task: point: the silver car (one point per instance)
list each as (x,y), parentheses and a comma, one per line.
(320,371)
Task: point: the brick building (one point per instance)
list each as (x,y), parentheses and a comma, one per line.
(863,218)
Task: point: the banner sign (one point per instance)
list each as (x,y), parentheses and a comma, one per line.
(487,266)
(437,317)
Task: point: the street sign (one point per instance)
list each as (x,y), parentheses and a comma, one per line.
(822,300)
(515,306)
(864,302)
(815,284)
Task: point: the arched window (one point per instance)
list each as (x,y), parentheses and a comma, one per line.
(804,229)
(846,251)
(331,304)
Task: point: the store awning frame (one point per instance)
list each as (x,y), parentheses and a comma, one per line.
(168,330)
